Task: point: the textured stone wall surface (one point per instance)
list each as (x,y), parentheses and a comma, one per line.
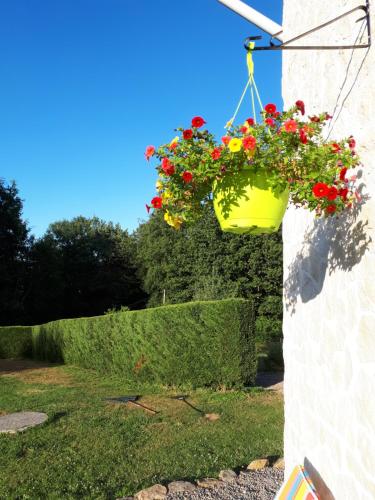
(329,270)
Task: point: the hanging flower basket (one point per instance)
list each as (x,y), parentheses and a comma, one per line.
(246,203)
(252,172)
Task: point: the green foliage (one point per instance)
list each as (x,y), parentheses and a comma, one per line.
(92,449)
(15,341)
(284,147)
(197,344)
(200,262)
(14,244)
(83,267)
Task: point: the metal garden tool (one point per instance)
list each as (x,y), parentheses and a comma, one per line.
(132,400)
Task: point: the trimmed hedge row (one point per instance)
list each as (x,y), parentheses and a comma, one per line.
(197,343)
(15,341)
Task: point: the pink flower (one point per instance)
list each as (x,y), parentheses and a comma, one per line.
(150,150)
(167,166)
(187,134)
(301,107)
(332,193)
(270,108)
(187,177)
(249,142)
(290,126)
(351,142)
(157,202)
(302,136)
(216,153)
(343,173)
(197,122)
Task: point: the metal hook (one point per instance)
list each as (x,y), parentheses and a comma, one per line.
(286,45)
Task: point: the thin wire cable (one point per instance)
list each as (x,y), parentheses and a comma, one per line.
(334,118)
(239,105)
(253,103)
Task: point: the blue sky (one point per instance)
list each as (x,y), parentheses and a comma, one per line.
(87,84)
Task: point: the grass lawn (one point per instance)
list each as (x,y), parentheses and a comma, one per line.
(90,448)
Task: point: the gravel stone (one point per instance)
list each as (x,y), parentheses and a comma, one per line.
(180,486)
(253,485)
(209,482)
(156,492)
(228,476)
(258,464)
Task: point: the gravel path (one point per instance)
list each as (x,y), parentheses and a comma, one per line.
(251,485)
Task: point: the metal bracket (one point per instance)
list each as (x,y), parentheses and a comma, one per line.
(286,45)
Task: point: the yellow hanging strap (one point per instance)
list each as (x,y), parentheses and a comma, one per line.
(250,83)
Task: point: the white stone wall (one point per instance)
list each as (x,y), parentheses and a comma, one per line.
(329,271)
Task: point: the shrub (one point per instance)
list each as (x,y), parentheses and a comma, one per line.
(207,343)
(15,341)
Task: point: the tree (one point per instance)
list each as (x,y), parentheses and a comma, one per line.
(200,262)
(14,246)
(84,267)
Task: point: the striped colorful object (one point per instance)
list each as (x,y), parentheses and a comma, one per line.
(298,486)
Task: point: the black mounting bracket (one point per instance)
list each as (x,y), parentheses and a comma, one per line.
(286,45)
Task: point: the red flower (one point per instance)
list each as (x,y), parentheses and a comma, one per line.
(243,130)
(226,140)
(157,202)
(197,122)
(335,148)
(328,117)
(270,122)
(351,142)
(167,166)
(320,190)
(277,114)
(187,134)
(270,108)
(249,142)
(343,192)
(331,209)
(301,107)
(315,119)
(250,121)
(187,177)
(302,136)
(343,173)
(148,208)
(173,146)
(332,193)
(216,153)
(290,126)
(150,150)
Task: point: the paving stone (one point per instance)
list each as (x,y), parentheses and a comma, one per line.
(17,422)
(156,492)
(279,464)
(258,464)
(180,486)
(209,482)
(228,476)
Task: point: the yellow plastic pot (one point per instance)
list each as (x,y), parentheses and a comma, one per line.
(245,203)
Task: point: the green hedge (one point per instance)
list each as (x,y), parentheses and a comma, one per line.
(197,343)
(15,341)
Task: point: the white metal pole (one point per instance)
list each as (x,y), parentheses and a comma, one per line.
(255,17)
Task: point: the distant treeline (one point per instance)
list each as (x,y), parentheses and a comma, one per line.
(86,267)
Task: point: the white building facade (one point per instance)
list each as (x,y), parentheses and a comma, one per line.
(329,268)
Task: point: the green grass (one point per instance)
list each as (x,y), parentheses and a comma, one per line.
(92,449)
